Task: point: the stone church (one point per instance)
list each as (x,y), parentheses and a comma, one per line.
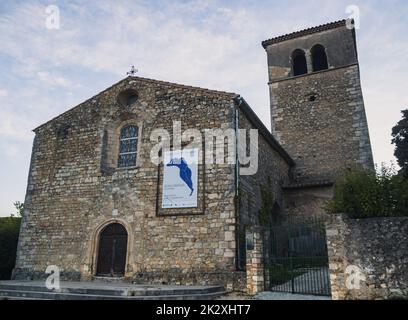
(94,202)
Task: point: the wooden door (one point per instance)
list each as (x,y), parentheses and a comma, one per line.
(112,251)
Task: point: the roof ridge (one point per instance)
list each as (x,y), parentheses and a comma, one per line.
(79,104)
(269,137)
(303,32)
(141,79)
(182,85)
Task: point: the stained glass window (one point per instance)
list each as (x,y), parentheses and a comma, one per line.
(128,146)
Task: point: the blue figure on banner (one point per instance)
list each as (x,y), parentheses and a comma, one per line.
(184,173)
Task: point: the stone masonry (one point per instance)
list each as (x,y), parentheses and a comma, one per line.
(254,264)
(368,258)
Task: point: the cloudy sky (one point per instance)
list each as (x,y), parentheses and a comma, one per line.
(213,44)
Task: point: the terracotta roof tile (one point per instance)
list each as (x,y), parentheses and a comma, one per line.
(304,32)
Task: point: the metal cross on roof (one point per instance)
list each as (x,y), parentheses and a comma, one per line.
(132,71)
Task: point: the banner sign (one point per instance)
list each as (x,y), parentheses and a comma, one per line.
(180,176)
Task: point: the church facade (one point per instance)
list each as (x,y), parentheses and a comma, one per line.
(98,205)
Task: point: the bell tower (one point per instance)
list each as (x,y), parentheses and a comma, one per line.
(317,107)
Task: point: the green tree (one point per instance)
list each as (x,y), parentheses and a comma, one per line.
(19,207)
(9,231)
(362,194)
(400,140)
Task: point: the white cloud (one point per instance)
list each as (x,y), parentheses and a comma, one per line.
(53,80)
(3,93)
(14,127)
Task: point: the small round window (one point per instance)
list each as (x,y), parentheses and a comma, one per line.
(128,97)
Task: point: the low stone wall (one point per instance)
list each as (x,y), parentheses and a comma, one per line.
(368,258)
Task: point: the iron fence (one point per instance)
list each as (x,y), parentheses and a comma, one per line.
(295,256)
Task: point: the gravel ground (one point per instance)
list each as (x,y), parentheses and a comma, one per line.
(235,296)
(267,295)
(287,296)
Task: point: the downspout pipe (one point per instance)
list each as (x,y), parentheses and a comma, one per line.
(237,102)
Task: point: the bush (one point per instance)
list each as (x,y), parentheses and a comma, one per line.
(364,194)
(9,231)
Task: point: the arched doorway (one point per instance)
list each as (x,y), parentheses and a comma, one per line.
(112,251)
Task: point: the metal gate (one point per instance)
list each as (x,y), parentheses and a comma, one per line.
(295,253)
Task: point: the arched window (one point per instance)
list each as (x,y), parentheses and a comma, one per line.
(128,146)
(299,64)
(319,58)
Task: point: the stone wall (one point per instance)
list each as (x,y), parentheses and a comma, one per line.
(307,201)
(327,135)
(373,250)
